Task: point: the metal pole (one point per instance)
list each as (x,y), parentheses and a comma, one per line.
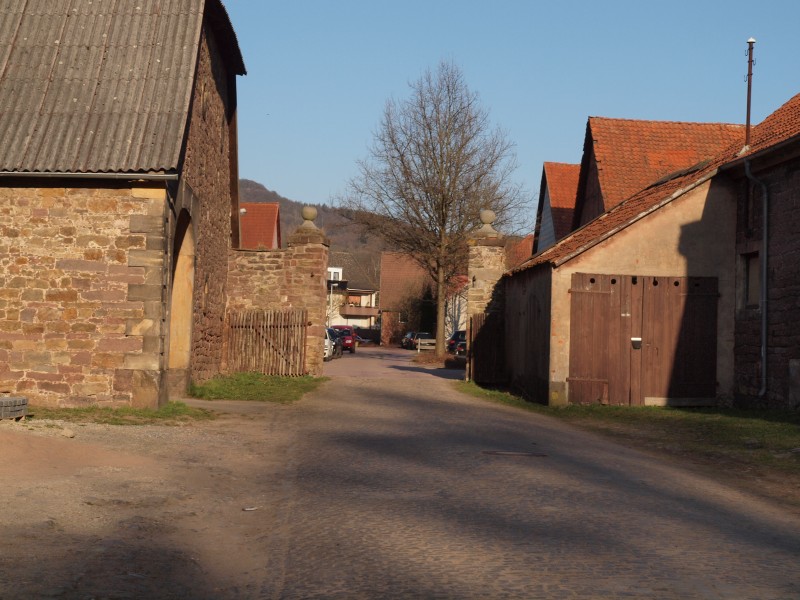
(750,44)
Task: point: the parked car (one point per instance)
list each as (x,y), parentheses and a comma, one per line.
(327,352)
(461,348)
(417,336)
(348,335)
(452,342)
(425,341)
(406,341)
(338,344)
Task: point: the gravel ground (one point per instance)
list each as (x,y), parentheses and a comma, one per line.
(384,483)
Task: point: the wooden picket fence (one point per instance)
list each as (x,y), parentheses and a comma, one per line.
(272,342)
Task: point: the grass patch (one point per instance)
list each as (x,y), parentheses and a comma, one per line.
(755,439)
(448,361)
(255,386)
(173,413)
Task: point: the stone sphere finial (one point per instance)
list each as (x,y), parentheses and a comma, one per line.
(487,231)
(309,213)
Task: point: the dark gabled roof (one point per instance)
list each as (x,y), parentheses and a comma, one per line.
(781,126)
(101,87)
(562,187)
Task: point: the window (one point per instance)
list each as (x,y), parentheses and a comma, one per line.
(752,278)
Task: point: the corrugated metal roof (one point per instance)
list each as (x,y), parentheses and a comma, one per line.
(99,85)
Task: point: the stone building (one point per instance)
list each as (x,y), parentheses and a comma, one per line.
(683,293)
(118,196)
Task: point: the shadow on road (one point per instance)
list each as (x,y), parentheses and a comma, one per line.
(454,374)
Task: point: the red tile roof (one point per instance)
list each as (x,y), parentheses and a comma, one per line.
(260,225)
(630,154)
(519,251)
(777,128)
(562,187)
(781,126)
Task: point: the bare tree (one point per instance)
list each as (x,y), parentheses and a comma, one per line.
(434,164)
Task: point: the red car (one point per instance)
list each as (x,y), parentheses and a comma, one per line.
(348,337)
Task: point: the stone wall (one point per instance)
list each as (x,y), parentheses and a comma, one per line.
(207,175)
(80,293)
(283,279)
(783,283)
(487,257)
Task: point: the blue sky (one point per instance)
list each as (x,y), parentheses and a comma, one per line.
(320,72)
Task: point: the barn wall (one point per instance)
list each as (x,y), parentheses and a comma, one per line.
(783,344)
(691,236)
(81,273)
(527,323)
(206,173)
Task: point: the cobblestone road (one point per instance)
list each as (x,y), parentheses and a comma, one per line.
(398,487)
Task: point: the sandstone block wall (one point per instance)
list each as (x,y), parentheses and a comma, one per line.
(207,173)
(81,293)
(281,279)
(487,259)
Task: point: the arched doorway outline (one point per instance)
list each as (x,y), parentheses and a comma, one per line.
(181,313)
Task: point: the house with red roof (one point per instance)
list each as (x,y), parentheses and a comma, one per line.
(622,156)
(260,225)
(407,302)
(660,299)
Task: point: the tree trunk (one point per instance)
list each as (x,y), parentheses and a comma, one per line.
(441,301)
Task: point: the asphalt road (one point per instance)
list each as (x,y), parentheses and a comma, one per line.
(399,487)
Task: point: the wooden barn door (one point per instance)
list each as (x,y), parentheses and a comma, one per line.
(637,339)
(679,339)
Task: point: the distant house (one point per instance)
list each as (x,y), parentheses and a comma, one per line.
(555,212)
(260,225)
(349,303)
(119,197)
(407,297)
(404,285)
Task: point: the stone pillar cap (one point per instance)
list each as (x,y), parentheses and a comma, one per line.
(309,213)
(487,218)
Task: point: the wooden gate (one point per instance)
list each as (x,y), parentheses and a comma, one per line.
(642,340)
(486,349)
(268,342)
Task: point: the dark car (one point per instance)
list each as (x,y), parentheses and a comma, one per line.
(453,340)
(406,341)
(338,344)
(461,348)
(348,335)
